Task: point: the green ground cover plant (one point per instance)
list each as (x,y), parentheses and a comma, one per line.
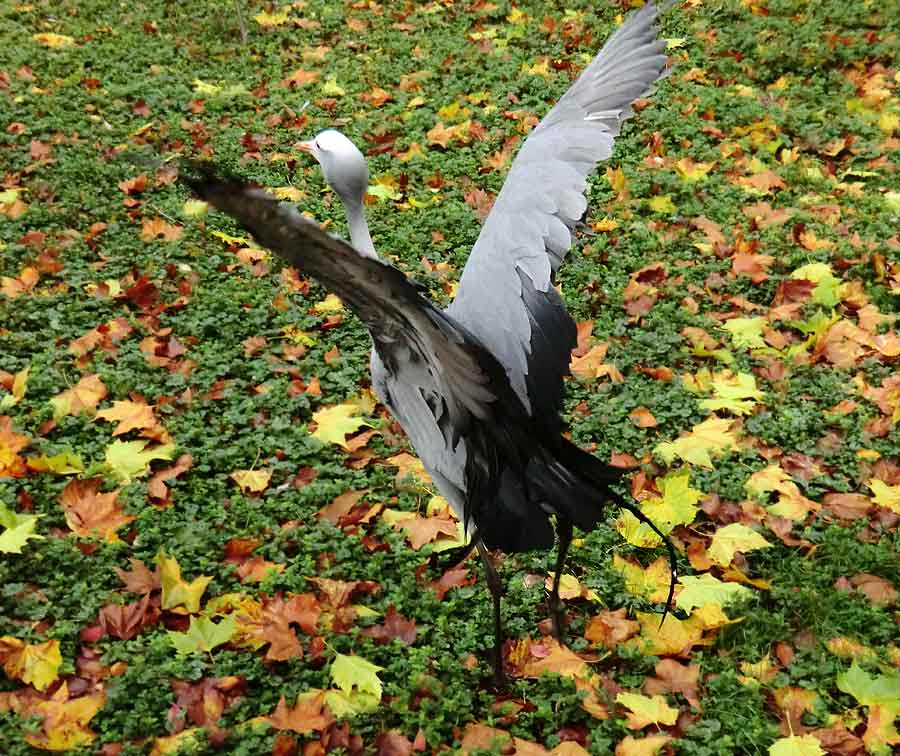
(212,539)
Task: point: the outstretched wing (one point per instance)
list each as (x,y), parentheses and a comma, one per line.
(506,295)
(406,328)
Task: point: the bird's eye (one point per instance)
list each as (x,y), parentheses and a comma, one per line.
(316,143)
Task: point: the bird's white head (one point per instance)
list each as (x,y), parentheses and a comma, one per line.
(343,165)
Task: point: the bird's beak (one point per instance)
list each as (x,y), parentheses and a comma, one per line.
(306,147)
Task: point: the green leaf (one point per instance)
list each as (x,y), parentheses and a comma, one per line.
(871,690)
(700,590)
(203,635)
(712,435)
(177,591)
(17,530)
(129,459)
(351,673)
(335,423)
(828,288)
(350,704)
(731,538)
(647,709)
(796,745)
(746,332)
(736,393)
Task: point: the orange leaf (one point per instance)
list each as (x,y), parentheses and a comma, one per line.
(90,513)
(157,228)
(130,415)
(307,715)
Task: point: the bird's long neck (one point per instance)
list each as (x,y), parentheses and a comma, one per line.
(359,229)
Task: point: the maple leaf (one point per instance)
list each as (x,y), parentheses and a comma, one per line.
(672,677)
(796,745)
(570,588)
(11,443)
(185,741)
(651,583)
(157,228)
(420,530)
(692,172)
(454,578)
(156,486)
(203,635)
(53,40)
(333,424)
(736,392)
(126,622)
(672,637)
(18,529)
(131,415)
(17,390)
(14,287)
(83,396)
(733,538)
(662,203)
(353,673)
(610,628)
(64,720)
(746,332)
(550,656)
(884,495)
(34,664)
(309,714)
(649,746)
(761,183)
(140,579)
(253,481)
(710,436)
(177,592)
(592,365)
(66,462)
(828,287)
(755,267)
(299,78)
(441,135)
(395,626)
(90,513)
(704,589)
(131,459)
(676,506)
(645,710)
(480,201)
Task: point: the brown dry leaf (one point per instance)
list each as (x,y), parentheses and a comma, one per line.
(424,530)
(879,591)
(156,486)
(90,513)
(441,135)
(340,506)
(126,622)
(25,282)
(64,724)
(712,229)
(592,366)
(455,578)
(11,443)
(481,737)
(754,266)
(299,78)
(309,714)
(409,466)
(338,593)
(550,656)
(649,746)
(157,228)
(642,418)
(610,628)
(765,182)
(395,626)
(672,677)
(256,569)
(139,579)
(252,481)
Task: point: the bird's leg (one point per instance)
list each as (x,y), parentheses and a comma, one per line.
(557,611)
(496,588)
(455,557)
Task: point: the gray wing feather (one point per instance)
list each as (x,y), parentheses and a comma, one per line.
(528,231)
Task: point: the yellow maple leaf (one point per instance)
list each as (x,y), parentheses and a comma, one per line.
(252,480)
(83,396)
(662,203)
(651,583)
(130,415)
(177,592)
(692,172)
(710,436)
(34,664)
(731,538)
(884,495)
(333,424)
(647,710)
(49,39)
(649,746)
(65,720)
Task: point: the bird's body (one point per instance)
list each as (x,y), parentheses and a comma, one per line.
(478,387)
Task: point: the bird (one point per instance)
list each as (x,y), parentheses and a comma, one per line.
(478,387)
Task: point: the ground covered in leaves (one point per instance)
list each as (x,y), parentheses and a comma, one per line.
(213,539)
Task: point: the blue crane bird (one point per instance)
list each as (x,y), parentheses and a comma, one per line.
(478,387)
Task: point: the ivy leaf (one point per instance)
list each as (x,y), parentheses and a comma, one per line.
(203,635)
(176,591)
(17,530)
(647,710)
(335,423)
(351,673)
(706,589)
(731,538)
(131,459)
(710,436)
(796,745)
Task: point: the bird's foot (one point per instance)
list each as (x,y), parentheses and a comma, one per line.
(498,681)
